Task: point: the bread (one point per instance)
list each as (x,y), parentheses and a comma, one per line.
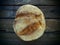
(29,23)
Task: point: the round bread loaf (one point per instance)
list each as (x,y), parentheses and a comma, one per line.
(29,23)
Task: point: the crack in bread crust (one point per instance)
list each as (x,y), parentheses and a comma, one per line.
(30,29)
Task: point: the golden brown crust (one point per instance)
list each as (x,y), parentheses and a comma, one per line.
(27,14)
(35,16)
(30,29)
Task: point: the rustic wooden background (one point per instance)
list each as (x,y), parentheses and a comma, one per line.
(51,10)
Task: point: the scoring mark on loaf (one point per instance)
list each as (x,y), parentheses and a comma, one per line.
(30,28)
(27,14)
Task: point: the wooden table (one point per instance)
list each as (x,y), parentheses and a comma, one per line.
(51,10)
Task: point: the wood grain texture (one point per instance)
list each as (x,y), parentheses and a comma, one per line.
(52,25)
(13,39)
(49,11)
(34,2)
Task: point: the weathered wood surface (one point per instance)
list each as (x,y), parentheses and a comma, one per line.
(52,25)
(34,2)
(46,39)
(49,11)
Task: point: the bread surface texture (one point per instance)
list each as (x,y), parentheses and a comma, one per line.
(29,23)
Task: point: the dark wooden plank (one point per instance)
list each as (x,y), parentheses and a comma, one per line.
(6,7)
(49,11)
(7,14)
(52,25)
(34,2)
(13,39)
